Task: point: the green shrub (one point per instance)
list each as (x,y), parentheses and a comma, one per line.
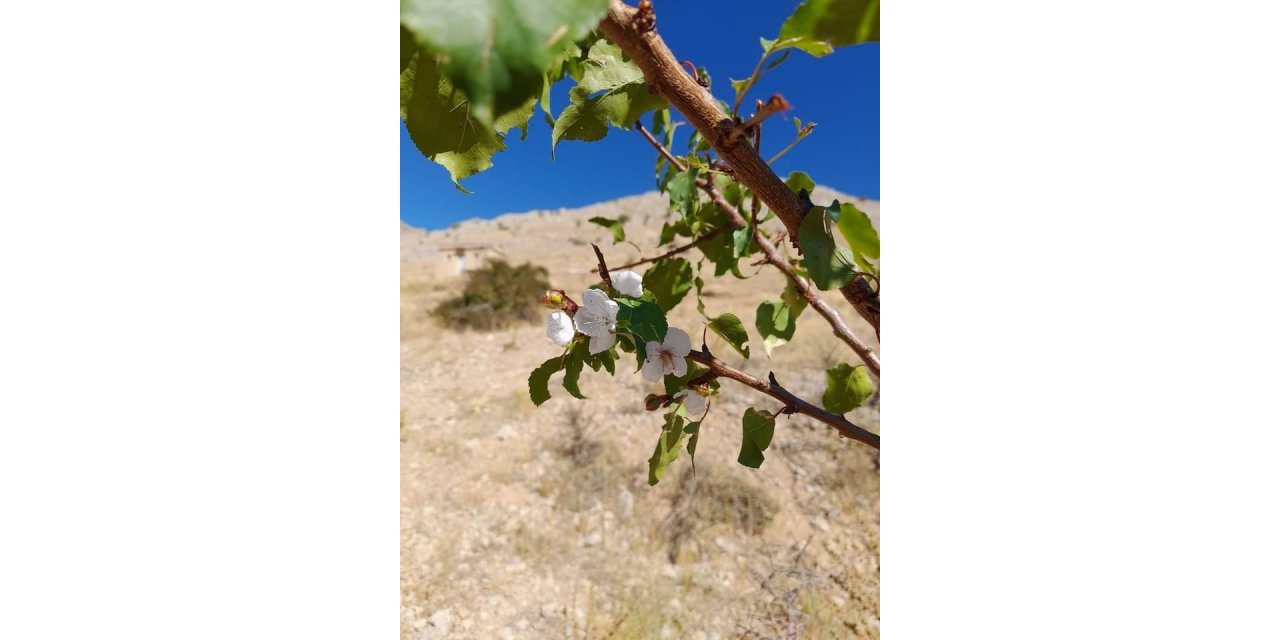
(496,296)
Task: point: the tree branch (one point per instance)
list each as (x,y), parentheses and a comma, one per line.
(803,286)
(792,403)
(774,257)
(663,74)
(680,249)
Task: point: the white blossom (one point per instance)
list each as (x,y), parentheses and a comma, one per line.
(627,283)
(694,404)
(560,328)
(668,357)
(597,317)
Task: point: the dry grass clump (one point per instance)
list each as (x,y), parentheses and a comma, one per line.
(496,296)
(714,497)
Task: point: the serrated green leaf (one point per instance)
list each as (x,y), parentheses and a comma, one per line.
(757,434)
(498,50)
(697,286)
(667,449)
(847,388)
(729,327)
(441,126)
(669,280)
(683,192)
(800,180)
(836,23)
(720,251)
(407,48)
(573,368)
(587,118)
(829,265)
(606,69)
(858,231)
(644,319)
(775,324)
(538,379)
(692,430)
(614,226)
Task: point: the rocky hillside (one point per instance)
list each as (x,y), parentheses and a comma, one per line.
(524,522)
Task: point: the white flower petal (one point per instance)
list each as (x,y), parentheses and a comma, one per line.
(593,296)
(652,350)
(628,283)
(601,343)
(681,367)
(560,328)
(611,312)
(652,370)
(694,404)
(677,342)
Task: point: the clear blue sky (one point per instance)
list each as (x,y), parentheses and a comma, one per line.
(840,92)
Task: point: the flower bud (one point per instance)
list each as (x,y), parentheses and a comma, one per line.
(654,402)
(553,299)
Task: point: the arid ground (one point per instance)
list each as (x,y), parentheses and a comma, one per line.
(527,522)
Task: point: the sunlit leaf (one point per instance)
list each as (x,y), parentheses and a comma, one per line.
(847,388)
(498,50)
(757,434)
(729,327)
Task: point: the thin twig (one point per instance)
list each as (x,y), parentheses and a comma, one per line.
(680,249)
(604,271)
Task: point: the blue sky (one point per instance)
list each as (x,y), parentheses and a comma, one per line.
(840,92)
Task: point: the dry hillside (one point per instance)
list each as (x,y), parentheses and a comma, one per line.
(524,522)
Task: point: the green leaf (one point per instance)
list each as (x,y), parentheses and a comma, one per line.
(407,48)
(818,25)
(605,68)
(573,368)
(672,383)
(757,433)
(830,266)
(800,180)
(683,192)
(587,118)
(721,252)
(643,319)
(692,430)
(498,50)
(858,231)
(670,280)
(668,448)
(619,234)
(729,327)
(538,391)
(847,388)
(697,285)
(775,323)
(441,126)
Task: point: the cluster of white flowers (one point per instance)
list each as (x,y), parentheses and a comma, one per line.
(597,318)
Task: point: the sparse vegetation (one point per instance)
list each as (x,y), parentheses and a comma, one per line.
(496,296)
(702,500)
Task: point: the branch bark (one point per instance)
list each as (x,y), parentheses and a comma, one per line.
(793,404)
(663,74)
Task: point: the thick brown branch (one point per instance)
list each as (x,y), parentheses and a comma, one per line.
(772,389)
(663,74)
